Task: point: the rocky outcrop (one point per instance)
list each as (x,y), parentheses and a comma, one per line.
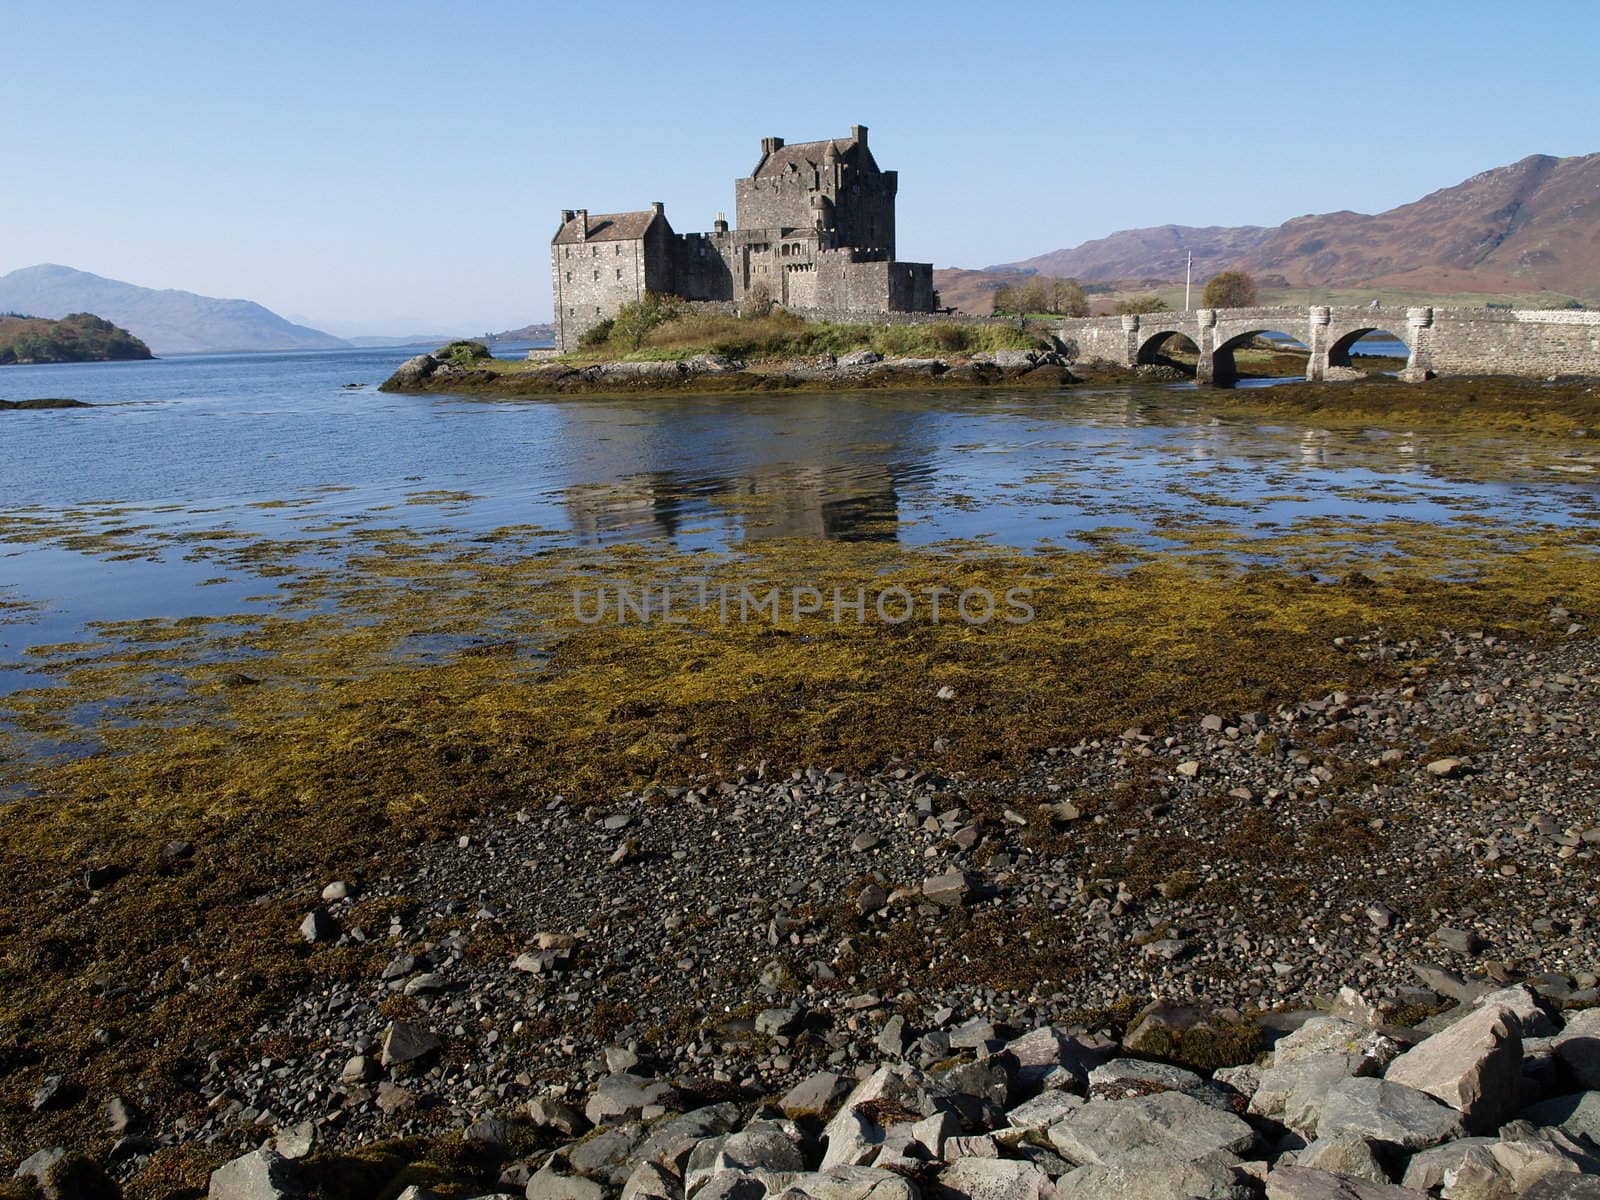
(859,369)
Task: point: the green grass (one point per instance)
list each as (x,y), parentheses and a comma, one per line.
(782,335)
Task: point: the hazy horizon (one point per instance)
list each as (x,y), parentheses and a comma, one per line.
(376,170)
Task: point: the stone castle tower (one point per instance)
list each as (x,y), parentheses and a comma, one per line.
(815,233)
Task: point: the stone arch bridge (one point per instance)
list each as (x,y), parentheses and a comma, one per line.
(1439,341)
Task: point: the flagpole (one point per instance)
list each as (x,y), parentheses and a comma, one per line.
(1188,274)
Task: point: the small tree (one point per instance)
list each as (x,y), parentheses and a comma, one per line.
(1230,289)
(758,300)
(635,319)
(1141,304)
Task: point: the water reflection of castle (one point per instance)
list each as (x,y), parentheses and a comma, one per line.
(803,467)
(767,502)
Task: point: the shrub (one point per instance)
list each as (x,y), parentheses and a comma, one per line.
(1230,289)
(596,336)
(1141,304)
(635,319)
(463,353)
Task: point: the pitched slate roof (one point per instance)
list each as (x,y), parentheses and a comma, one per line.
(802,155)
(608,227)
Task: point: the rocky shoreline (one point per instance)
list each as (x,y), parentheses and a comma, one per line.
(1343,945)
(713,372)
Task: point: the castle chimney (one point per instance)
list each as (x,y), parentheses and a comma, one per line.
(858,134)
(771,144)
(720,225)
(582,217)
(658,208)
(566,217)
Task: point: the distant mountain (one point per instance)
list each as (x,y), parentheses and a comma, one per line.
(374,342)
(1529,227)
(526,333)
(79,337)
(1157,254)
(168,321)
(1532,226)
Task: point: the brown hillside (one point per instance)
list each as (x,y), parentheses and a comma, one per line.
(1532,226)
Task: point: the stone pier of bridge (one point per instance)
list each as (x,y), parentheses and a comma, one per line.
(1438,341)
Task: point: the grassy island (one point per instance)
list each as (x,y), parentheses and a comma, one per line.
(80,337)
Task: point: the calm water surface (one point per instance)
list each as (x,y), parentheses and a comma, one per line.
(201,443)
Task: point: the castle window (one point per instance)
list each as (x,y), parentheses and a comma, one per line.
(597,273)
(619,272)
(572,312)
(619,249)
(569,276)
(597,310)
(568,250)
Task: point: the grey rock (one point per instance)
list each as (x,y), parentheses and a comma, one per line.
(1508,1167)
(1426,1170)
(1387,1112)
(1120,1078)
(1578,1048)
(674,1139)
(850,1183)
(1536,1017)
(405,1042)
(853,1136)
(122,1115)
(950,890)
(1473,1066)
(1166,1126)
(550,1184)
(1577,1114)
(566,1120)
(1307,1183)
(778,1022)
(297,1141)
(625,1097)
(259,1175)
(651,1181)
(814,1096)
(319,926)
(994,1179)
(1049,1055)
(39,1167)
(52,1093)
(1243,1079)
(860,358)
(1294,1094)
(1344,1154)
(609,1154)
(1043,1110)
(1564,1187)
(1206,1179)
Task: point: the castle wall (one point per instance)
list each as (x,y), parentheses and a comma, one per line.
(594,279)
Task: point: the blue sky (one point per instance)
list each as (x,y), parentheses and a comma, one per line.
(399,167)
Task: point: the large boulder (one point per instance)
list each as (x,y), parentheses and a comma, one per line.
(1387,1112)
(1473,1066)
(1164,1127)
(625,1097)
(1208,1179)
(1577,1114)
(1307,1183)
(260,1175)
(1578,1048)
(994,1179)
(850,1183)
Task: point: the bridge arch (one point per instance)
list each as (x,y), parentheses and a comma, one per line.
(1342,339)
(1233,336)
(1158,346)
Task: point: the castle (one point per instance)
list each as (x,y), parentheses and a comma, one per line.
(814,232)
